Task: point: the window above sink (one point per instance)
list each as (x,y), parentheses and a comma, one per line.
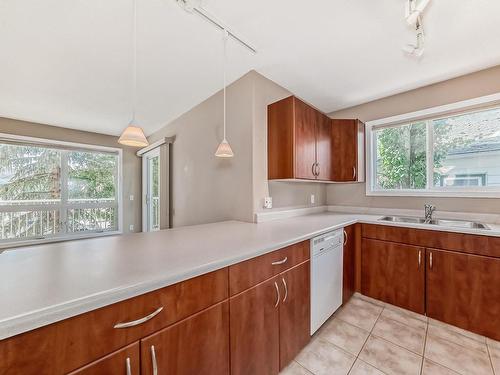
(451,150)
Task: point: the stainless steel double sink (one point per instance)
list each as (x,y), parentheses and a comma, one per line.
(440,222)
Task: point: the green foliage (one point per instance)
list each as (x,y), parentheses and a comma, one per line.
(402,154)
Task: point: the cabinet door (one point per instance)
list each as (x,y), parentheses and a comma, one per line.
(348,150)
(305,140)
(254,327)
(394,273)
(295,311)
(123,361)
(463,290)
(324,147)
(349,262)
(196,345)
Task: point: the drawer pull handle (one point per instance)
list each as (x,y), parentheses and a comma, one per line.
(129,369)
(153,360)
(277,263)
(277,294)
(139,321)
(286,289)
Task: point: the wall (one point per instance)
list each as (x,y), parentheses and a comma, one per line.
(131,163)
(206,188)
(473,85)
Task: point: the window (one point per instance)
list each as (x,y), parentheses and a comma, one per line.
(456,154)
(56,191)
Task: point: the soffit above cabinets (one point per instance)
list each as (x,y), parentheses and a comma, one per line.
(70,63)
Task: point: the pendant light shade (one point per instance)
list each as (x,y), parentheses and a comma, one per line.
(224,150)
(133,136)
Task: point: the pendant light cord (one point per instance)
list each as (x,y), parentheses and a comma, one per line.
(224,88)
(134,61)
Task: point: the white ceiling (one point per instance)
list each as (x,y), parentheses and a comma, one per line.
(68,63)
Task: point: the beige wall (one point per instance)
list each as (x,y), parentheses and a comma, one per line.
(206,188)
(131,163)
(473,85)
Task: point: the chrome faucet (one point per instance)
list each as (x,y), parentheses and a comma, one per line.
(429,210)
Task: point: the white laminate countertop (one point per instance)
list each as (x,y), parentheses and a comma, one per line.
(47,283)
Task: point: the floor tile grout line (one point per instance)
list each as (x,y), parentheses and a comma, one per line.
(423,351)
(367,338)
(491,360)
(305,368)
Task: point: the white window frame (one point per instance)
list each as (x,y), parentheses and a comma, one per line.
(82,146)
(433,113)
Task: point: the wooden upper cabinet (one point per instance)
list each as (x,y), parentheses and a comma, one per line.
(295,312)
(123,361)
(306,124)
(348,155)
(463,290)
(394,273)
(299,141)
(324,147)
(254,329)
(348,275)
(196,345)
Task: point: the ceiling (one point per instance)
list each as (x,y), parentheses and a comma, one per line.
(69,63)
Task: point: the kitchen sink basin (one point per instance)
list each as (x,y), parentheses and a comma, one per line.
(440,222)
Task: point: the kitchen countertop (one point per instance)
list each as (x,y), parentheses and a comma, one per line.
(47,283)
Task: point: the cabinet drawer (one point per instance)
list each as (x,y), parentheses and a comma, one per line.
(117,363)
(67,345)
(246,274)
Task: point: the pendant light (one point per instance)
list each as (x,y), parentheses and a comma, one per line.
(133,134)
(224,150)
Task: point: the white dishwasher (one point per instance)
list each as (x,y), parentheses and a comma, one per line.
(326,276)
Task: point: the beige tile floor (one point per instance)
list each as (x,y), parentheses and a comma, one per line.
(369,337)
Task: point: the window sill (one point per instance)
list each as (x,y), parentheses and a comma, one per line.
(14,244)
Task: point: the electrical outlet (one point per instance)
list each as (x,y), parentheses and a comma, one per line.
(313,198)
(268,202)
(131,227)
(131,197)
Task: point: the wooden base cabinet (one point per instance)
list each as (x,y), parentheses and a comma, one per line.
(295,312)
(348,274)
(270,322)
(464,290)
(394,273)
(196,345)
(254,328)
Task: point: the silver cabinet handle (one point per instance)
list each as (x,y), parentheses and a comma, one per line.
(277,293)
(345,237)
(313,169)
(430,260)
(277,263)
(419,258)
(286,289)
(353,173)
(138,321)
(318,169)
(153,360)
(129,369)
